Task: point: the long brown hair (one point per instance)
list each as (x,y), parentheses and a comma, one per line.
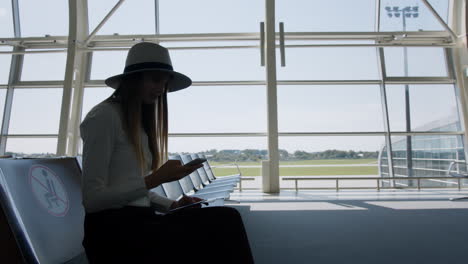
(152,117)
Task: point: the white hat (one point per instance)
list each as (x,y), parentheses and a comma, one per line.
(147,56)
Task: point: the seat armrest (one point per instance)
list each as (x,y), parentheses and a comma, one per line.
(455,174)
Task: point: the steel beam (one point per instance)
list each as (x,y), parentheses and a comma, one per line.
(272,100)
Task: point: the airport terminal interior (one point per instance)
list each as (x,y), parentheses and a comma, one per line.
(343,122)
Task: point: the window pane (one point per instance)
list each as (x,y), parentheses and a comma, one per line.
(2,102)
(209,43)
(200,144)
(92,97)
(417,16)
(35,111)
(248,161)
(331,15)
(44,66)
(330,108)
(322,143)
(219,64)
(199,65)
(52,19)
(108,63)
(222,151)
(31,147)
(210,16)
(132,17)
(338,156)
(428,111)
(5,62)
(328,64)
(6,19)
(421,62)
(218,109)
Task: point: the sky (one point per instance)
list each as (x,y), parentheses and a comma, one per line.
(198,109)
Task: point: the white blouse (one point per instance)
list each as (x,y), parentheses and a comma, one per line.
(111,172)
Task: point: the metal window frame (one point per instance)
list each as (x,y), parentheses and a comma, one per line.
(70,114)
(14,76)
(396,38)
(456,62)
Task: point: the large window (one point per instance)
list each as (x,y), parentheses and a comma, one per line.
(218,109)
(329,108)
(35,111)
(6,20)
(2,101)
(417,16)
(427,110)
(322,16)
(93,96)
(417,62)
(5,62)
(133,17)
(219,64)
(45,17)
(32,147)
(329,64)
(332,91)
(210,16)
(330,156)
(107,63)
(44,66)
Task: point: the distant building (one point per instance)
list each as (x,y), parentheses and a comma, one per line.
(432,154)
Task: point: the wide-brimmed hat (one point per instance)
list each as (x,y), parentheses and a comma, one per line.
(147,56)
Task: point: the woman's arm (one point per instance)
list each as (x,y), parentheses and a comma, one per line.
(172,170)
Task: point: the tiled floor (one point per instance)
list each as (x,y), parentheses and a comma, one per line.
(315,195)
(356,226)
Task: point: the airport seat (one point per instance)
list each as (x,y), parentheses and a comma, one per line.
(159,190)
(41,200)
(213,178)
(206,180)
(451,173)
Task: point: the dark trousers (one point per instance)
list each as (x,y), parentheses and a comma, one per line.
(137,235)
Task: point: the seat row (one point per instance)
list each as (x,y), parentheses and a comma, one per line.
(201,183)
(41,211)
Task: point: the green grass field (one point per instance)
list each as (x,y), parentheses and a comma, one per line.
(303,171)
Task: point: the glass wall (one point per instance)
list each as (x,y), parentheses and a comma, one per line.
(6,19)
(329,95)
(5,61)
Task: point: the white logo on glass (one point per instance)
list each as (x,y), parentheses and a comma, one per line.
(49,190)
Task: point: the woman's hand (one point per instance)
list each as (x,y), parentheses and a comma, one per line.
(172,170)
(186,200)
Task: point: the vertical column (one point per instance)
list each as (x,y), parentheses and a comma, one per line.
(70,114)
(383,97)
(409,144)
(156,18)
(81,71)
(383,94)
(458,59)
(14,77)
(272,102)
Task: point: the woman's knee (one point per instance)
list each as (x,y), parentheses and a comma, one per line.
(224,212)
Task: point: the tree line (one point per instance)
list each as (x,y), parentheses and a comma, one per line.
(262,154)
(231,155)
